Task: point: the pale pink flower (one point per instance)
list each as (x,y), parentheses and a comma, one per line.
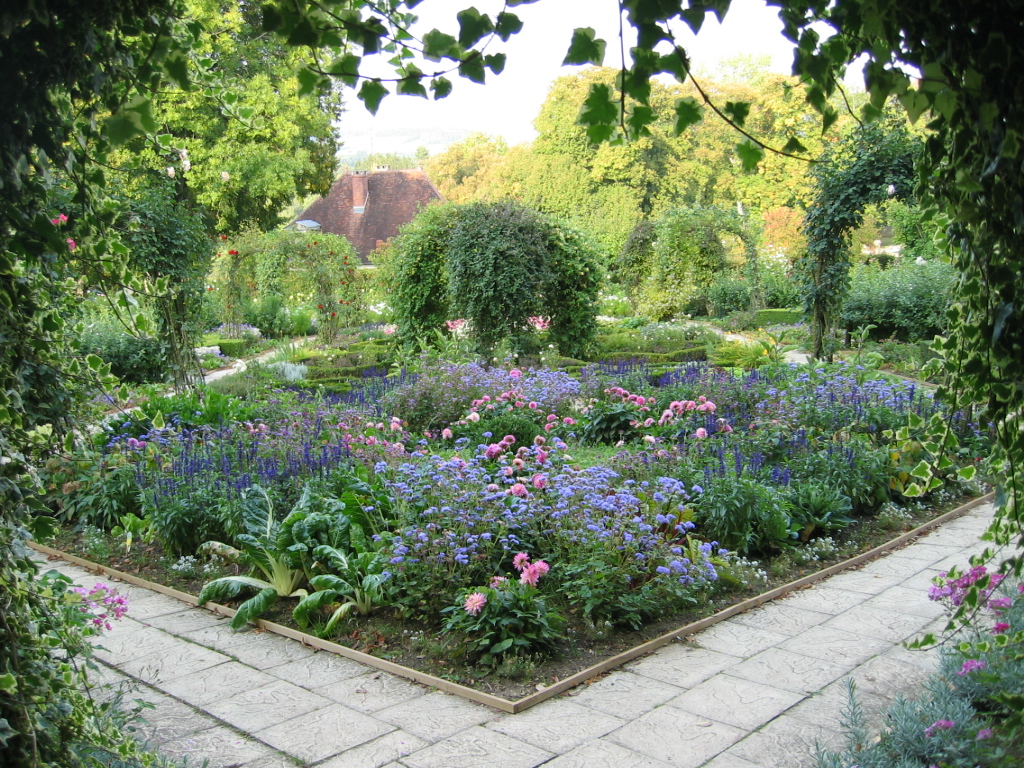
(540,482)
(510,439)
(475,603)
(532,573)
(72,244)
(493,488)
(539,440)
(549,426)
(519,490)
(552,417)
(532,405)
(515,373)
(497,581)
(701,433)
(542,456)
(520,560)
(446,433)
(569,420)
(649,439)
(474,417)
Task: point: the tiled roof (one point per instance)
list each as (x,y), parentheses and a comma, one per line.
(393,199)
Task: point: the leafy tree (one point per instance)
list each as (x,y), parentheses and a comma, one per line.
(247,154)
(459,170)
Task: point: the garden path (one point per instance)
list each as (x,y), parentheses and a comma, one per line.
(758,689)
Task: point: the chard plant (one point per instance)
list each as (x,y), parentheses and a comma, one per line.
(263,549)
(355,583)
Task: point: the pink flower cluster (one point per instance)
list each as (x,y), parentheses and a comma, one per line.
(455,325)
(970,666)
(529,573)
(102,604)
(955,590)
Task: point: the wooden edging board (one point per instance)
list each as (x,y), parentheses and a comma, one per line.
(563,685)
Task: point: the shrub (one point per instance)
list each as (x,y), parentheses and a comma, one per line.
(133,359)
(234,347)
(777,317)
(908,301)
(778,290)
(521,427)
(727,294)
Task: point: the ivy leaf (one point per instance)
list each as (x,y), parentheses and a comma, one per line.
(737,111)
(794,147)
(915,103)
(495,62)
(303,34)
(585,48)
(473,25)
(371,93)
(638,119)
(688,112)
(506,25)
(437,44)
(441,86)
(411,86)
(158,420)
(750,154)
(599,113)
(473,68)
(8,684)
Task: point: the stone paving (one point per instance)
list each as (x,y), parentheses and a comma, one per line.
(759,689)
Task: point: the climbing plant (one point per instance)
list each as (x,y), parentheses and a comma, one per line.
(167,242)
(874,161)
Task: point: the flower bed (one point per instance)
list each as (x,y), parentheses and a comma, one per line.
(479,542)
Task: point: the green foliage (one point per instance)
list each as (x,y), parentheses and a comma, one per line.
(514,620)
(499,424)
(355,583)
(727,294)
(133,359)
(744,516)
(167,240)
(415,267)
(765,317)
(908,301)
(871,160)
(816,509)
(689,254)
(496,260)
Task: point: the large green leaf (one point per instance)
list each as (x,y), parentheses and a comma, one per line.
(585,48)
(254,607)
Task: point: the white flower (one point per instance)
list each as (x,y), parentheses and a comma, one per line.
(920,260)
(224,175)
(170,171)
(186,165)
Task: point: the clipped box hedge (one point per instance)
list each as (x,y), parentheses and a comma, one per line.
(658,358)
(232,347)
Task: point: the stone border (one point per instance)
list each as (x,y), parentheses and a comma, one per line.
(525,703)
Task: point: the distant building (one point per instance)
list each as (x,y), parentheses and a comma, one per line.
(369,207)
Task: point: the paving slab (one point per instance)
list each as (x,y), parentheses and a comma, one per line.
(478,748)
(557,725)
(222,747)
(262,707)
(216,683)
(378,752)
(792,671)
(436,715)
(322,733)
(372,691)
(172,661)
(735,639)
(600,753)
(786,741)
(735,701)
(624,694)
(676,737)
(683,665)
(781,617)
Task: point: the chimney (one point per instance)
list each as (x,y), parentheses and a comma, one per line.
(360,191)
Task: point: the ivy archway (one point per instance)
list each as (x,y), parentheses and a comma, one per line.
(871,163)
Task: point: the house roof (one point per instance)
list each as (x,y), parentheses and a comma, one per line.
(393,199)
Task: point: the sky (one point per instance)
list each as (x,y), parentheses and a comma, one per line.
(508,103)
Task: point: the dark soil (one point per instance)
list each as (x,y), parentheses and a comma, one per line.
(423,647)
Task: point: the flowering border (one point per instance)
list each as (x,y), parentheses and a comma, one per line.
(548,692)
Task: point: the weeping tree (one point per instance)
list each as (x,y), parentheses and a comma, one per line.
(873,162)
(496,265)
